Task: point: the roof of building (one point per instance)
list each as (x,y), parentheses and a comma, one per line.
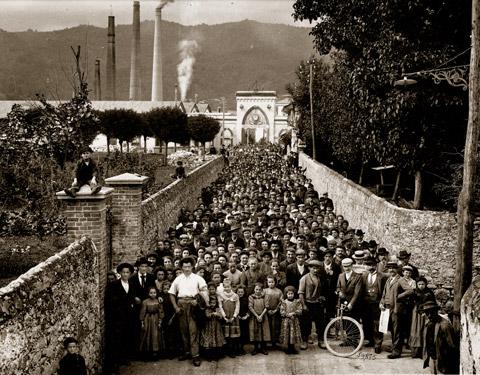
(203,107)
(256,93)
(190,107)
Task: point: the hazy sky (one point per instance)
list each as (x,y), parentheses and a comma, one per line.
(42,15)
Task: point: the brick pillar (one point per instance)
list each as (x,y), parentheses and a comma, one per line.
(86,215)
(127,227)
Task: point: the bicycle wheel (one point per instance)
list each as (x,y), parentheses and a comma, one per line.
(348,337)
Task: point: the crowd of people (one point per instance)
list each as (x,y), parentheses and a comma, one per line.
(260,262)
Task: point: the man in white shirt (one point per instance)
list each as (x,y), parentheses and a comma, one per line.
(183,295)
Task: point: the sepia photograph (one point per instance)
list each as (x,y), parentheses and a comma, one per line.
(236,187)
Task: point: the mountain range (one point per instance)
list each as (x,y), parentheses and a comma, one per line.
(231,57)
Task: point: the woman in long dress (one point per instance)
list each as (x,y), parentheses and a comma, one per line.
(422,295)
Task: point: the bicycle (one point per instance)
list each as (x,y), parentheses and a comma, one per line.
(348,337)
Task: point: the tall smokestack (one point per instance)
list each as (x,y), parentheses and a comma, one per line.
(135,68)
(111,66)
(157,72)
(98,84)
(176,94)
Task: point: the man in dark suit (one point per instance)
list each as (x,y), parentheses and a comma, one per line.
(349,289)
(374,283)
(140,282)
(296,270)
(120,319)
(332,271)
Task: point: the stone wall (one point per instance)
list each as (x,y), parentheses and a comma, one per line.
(470,338)
(161,210)
(51,301)
(430,236)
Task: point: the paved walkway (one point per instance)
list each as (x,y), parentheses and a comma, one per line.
(308,362)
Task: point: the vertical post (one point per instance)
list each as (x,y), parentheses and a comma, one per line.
(127,227)
(464,253)
(223,122)
(98,84)
(86,215)
(314,148)
(111,60)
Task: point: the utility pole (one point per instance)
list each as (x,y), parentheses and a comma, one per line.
(314,148)
(464,253)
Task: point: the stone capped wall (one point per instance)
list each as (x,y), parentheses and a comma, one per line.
(51,301)
(470,339)
(161,210)
(429,235)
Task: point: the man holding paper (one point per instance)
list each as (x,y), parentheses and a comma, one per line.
(395,290)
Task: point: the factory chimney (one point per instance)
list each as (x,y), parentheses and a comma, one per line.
(135,68)
(111,66)
(157,71)
(98,84)
(176,94)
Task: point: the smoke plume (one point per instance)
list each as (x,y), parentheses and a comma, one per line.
(165,2)
(188,49)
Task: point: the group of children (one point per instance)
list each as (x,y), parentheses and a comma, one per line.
(231,320)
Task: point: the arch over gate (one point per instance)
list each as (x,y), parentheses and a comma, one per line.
(255,116)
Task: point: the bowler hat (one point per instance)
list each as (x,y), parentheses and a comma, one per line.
(121,266)
(359,232)
(382,251)
(403,254)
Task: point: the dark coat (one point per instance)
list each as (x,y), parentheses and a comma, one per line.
(121,321)
(72,364)
(85,172)
(446,347)
(293,276)
(140,292)
(352,289)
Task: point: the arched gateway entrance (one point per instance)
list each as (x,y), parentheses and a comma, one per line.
(255,126)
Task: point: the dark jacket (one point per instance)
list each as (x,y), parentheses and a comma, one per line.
(138,291)
(85,172)
(352,289)
(293,276)
(72,364)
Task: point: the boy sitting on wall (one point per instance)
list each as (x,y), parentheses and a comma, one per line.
(85,174)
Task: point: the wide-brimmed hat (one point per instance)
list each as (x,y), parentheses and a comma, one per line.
(360,255)
(121,266)
(359,232)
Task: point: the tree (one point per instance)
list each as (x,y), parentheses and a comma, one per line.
(168,124)
(202,128)
(123,124)
(380,40)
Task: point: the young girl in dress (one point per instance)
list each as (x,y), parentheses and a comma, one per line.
(290,310)
(258,326)
(243,316)
(229,305)
(273,298)
(212,338)
(151,316)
